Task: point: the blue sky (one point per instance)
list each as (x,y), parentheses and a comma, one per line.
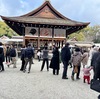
(78,10)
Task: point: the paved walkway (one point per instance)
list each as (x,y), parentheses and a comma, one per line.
(15,84)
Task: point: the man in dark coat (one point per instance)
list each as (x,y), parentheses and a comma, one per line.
(54,64)
(22,57)
(28,55)
(1,57)
(65,57)
(94,58)
(97,67)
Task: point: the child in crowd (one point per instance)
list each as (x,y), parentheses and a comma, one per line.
(86,73)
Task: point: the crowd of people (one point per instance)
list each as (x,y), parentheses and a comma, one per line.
(76,57)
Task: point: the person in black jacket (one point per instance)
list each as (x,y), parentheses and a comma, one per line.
(55,61)
(28,57)
(65,57)
(95,62)
(97,67)
(22,58)
(13,56)
(1,57)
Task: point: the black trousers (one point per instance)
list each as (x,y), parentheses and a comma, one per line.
(38,58)
(77,76)
(43,63)
(23,63)
(7,58)
(64,75)
(1,66)
(56,71)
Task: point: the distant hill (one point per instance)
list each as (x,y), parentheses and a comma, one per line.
(6,30)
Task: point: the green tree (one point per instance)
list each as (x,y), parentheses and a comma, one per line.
(6,30)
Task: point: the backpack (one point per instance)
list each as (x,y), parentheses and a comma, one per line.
(29,53)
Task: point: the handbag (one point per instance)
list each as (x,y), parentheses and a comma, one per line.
(95,85)
(75,69)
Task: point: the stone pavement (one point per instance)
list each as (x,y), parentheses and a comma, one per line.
(15,84)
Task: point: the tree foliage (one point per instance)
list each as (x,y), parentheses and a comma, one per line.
(78,36)
(87,34)
(6,30)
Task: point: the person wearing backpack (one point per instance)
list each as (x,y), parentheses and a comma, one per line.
(28,57)
(13,56)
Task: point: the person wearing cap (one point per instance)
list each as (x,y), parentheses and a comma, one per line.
(65,57)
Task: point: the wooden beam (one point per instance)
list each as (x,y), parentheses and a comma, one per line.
(39,37)
(52,36)
(24,32)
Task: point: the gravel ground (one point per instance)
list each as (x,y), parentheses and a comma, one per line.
(15,84)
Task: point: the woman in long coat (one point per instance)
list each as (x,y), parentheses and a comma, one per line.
(55,62)
(85,58)
(76,60)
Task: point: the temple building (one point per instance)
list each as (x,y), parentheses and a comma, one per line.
(44,25)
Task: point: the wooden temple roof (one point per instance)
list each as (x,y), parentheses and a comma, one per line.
(36,20)
(45,15)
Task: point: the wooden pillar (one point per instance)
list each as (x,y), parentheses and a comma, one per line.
(23,33)
(66,36)
(52,37)
(62,43)
(38,37)
(59,44)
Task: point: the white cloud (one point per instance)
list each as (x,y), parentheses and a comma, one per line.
(79,10)
(3,9)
